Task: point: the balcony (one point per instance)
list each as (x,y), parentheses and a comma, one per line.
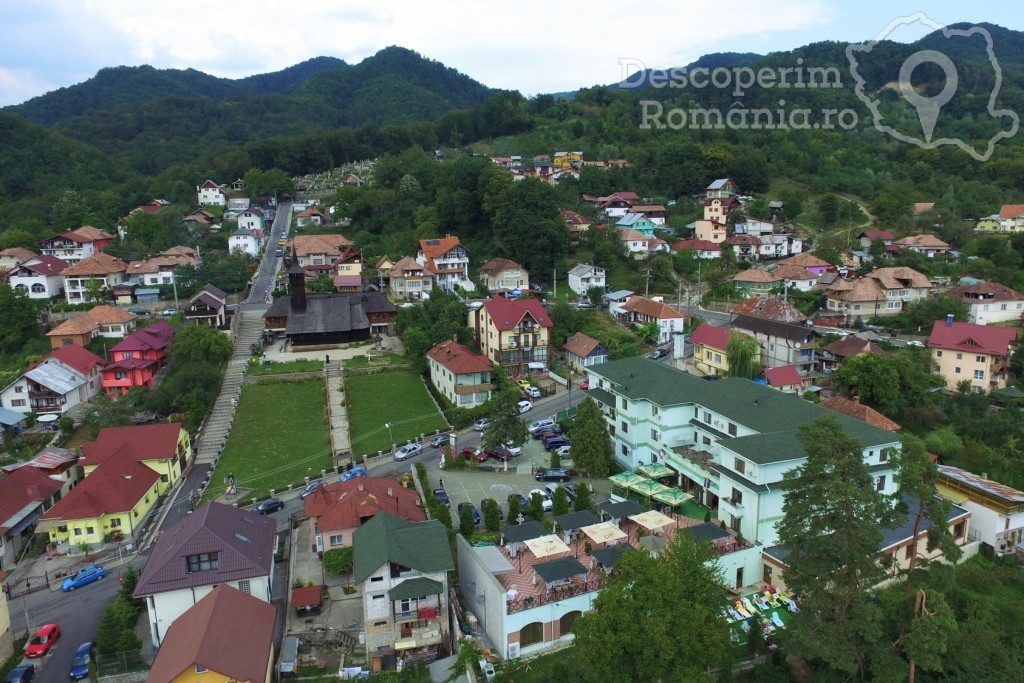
(734,508)
(45,396)
(465,389)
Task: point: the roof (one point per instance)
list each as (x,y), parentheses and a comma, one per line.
(971,338)
(804,260)
(783,376)
(179,250)
(307,596)
(75,357)
(331,245)
(710,335)
(19,253)
(422,546)
(330,312)
(696,245)
(631,235)
(897,535)
(438,246)
(921,207)
(650,308)
(459,359)
(793,273)
(45,265)
(91,319)
(97,264)
(56,377)
(718,184)
(900,277)
(92,234)
(506,314)
(774,328)
(496,265)
(972,480)
(859,411)
(883,235)
(226,631)
(583,269)
(243,540)
(160,264)
(854,346)
(416,587)
(1011,210)
(21,492)
(707,531)
(157,337)
(106,490)
(136,443)
(754,275)
(518,533)
(770,308)
(557,570)
(405,265)
(10,417)
(923,241)
(985,291)
(581,346)
(348,504)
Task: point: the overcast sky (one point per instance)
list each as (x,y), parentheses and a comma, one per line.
(527,45)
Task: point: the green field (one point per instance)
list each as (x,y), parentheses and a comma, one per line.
(285,368)
(398,397)
(279,437)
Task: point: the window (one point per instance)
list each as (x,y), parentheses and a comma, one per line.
(939,354)
(654,411)
(880,483)
(624,427)
(979,374)
(980,359)
(337,540)
(17,403)
(200,669)
(531,634)
(120,374)
(78,532)
(624,449)
(908,552)
(202,562)
(567,622)
(19,389)
(115,523)
(958,530)
(956,370)
(655,436)
(90,530)
(707,417)
(732,429)
(741,466)
(380,624)
(707,355)
(376,579)
(378,597)
(959,356)
(737,497)
(883,455)
(244,586)
(625,404)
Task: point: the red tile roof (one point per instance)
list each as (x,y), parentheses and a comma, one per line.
(804,260)
(496,265)
(347,504)
(97,264)
(106,490)
(883,235)
(1011,210)
(459,359)
(1003,491)
(506,314)
(854,346)
(771,308)
(21,488)
(653,309)
(76,357)
(985,292)
(47,265)
(157,337)
(783,376)
(696,245)
(709,335)
(971,338)
(136,443)
(859,411)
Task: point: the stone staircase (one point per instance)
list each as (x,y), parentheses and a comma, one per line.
(218,424)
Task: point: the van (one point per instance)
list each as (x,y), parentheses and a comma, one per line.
(551,488)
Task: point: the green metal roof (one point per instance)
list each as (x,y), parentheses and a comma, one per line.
(384,539)
(418,587)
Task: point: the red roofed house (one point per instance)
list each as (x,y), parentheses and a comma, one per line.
(25,494)
(461,376)
(770,308)
(503,275)
(710,344)
(122,376)
(76,245)
(978,354)
(1011,218)
(869,236)
(348,270)
(582,351)
(514,334)
(228,635)
(702,248)
(40,277)
(62,380)
(814,265)
(926,244)
(318,250)
(641,311)
(149,343)
(336,510)
(212,194)
(785,378)
(832,356)
(91,277)
(446,260)
(990,302)
(13,257)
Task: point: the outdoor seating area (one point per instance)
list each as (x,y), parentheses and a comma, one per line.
(768,610)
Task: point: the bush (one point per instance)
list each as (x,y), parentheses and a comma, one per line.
(338,560)
(118,617)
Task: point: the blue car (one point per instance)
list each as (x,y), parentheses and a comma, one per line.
(80,664)
(353,473)
(83,578)
(23,673)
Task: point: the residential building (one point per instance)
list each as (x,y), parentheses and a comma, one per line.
(617,299)
(337,509)
(770,308)
(149,343)
(655,213)
(704,249)
(642,311)
(318,250)
(40,277)
(781,343)
(718,209)
(14,257)
(833,355)
(867,237)
(583,276)
(784,378)
(98,321)
(503,275)
(577,223)
(710,346)
(159,270)
(409,280)
(200,218)
(567,159)
(252,219)
(617,204)
(215,545)
(858,411)
(1011,218)
(636,221)
(64,379)
(310,216)
(226,636)
(754,282)
(582,351)
(515,334)
(461,376)
(402,568)
(795,277)
(76,245)
(714,231)
(990,224)
(246,241)
(990,302)
(745,247)
(211,194)
(53,462)
(977,354)
(635,243)
(809,262)
(997,510)
(929,245)
(882,292)
(348,270)
(721,187)
(92,277)
(208,306)
(25,494)
(446,260)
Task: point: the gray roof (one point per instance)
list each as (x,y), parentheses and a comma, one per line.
(706,532)
(557,570)
(416,587)
(576,520)
(610,555)
(774,328)
(625,508)
(243,541)
(581,269)
(517,533)
(327,313)
(9,418)
(618,294)
(384,539)
(56,376)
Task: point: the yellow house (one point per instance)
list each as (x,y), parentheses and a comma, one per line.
(567,159)
(990,224)
(710,344)
(516,334)
(164,448)
(976,354)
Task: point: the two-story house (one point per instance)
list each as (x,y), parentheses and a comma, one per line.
(926,244)
(636,221)
(446,260)
(458,374)
(311,216)
(64,379)
(149,343)
(245,241)
(211,194)
(318,250)
(502,275)
(978,354)
(703,249)
(721,187)
(582,351)
(337,509)
(770,308)
(93,277)
(990,302)
(76,245)
(617,204)
(781,343)
(883,291)
(215,545)
(577,223)
(12,257)
(208,306)
(997,510)
(25,494)
(583,276)
(98,321)
(158,270)
(710,350)
(251,219)
(1011,218)
(515,334)
(402,568)
(809,262)
(348,270)
(868,236)
(634,243)
(643,311)
(407,279)
(653,212)
(40,277)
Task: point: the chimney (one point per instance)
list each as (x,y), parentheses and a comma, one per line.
(390,492)
(360,486)
(984,476)
(949,320)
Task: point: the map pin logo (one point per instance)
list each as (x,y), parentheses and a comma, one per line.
(928,107)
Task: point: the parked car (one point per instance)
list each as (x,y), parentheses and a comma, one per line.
(524,407)
(442,497)
(265,507)
(482,424)
(514,451)
(474,453)
(540,425)
(523,383)
(473,510)
(439,440)
(407,451)
(137,310)
(552,475)
(502,453)
(531,392)
(42,641)
(522,501)
(570,490)
(311,488)
(168,312)
(547,432)
(353,473)
(80,664)
(84,577)
(23,673)
(546,499)
(585,385)
(483,507)
(659,354)
(557,442)
(563,451)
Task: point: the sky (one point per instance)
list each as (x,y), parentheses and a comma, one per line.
(528,45)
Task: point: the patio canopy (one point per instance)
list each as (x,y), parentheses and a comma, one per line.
(707,532)
(610,555)
(546,546)
(524,532)
(648,487)
(624,479)
(622,509)
(492,558)
(652,519)
(419,587)
(653,543)
(604,532)
(559,570)
(656,470)
(576,520)
(672,497)
(307,596)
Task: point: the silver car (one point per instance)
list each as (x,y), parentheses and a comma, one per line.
(407,451)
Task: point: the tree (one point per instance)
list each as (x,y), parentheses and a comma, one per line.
(338,560)
(595,295)
(492,515)
(660,599)
(514,510)
(200,343)
(96,289)
(467,525)
(744,355)
(536,506)
(831,529)
(506,425)
(592,447)
(582,501)
(560,501)
(18,318)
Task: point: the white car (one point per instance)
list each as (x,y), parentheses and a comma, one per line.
(514,451)
(524,407)
(532,391)
(407,451)
(547,504)
(482,424)
(563,451)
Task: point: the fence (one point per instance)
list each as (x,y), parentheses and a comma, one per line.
(120,663)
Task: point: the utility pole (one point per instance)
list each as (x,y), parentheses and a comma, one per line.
(647,285)
(554,283)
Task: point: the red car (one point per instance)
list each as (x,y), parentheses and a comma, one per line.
(585,384)
(42,641)
(470,453)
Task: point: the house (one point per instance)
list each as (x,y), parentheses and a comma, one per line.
(754,227)
(718,209)
(642,311)
(211,194)
(809,262)
(770,308)
(164,448)
(458,374)
(704,249)
(246,241)
(89,278)
(990,302)
(58,464)
(617,299)
(409,280)
(977,354)
(882,292)
(76,245)
(310,216)
(318,250)
(746,247)
(149,343)
(729,443)
(583,276)
(1011,218)
(990,224)
(754,282)
(929,245)
(352,180)
(712,231)
(14,257)
(567,159)
(40,277)
(515,334)
(710,347)
(858,411)
(200,218)
(251,219)
(348,270)
(403,568)
(997,510)
(159,271)
(617,204)
(577,223)
(336,510)
(65,378)
(25,494)
(781,343)
(447,262)
(721,187)
(226,636)
(502,275)
(99,321)
(636,221)
(832,356)
(208,306)
(582,351)
(867,237)
(784,378)
(635,243)
(655,213)
(214,546)
(795,277)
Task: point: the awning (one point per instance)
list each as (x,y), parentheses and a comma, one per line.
(648,487)
(624,479)
(610,555)
(652,519)
(706,532)
(519,533)
(419,587)
(952,496)
(546,546)
(622,509)
(560,570)
(307,596)
(576,520)
(653,543)
(9,418)
(604,532)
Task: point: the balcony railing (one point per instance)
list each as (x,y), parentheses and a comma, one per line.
(464,389)
(554,595)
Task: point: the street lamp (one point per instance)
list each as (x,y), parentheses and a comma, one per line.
(390,435)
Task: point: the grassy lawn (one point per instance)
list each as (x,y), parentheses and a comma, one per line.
(398,397)
(279,437)
(285,368)
(364,361)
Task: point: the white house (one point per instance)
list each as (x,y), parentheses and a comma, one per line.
(100,270)
(635,243)
(62,380)
(642,311)
(41,277)
(461,376)
(582,351)
(212,194)
(245,241)
(76,245)
(990,302)
(251,219)
(446,260)
(997,510)
(217,544)
(583,276)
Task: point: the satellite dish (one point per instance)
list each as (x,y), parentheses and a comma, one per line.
(798,345)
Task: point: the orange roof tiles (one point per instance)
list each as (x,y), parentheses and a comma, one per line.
(859,411)
(458,359)
(97,264)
